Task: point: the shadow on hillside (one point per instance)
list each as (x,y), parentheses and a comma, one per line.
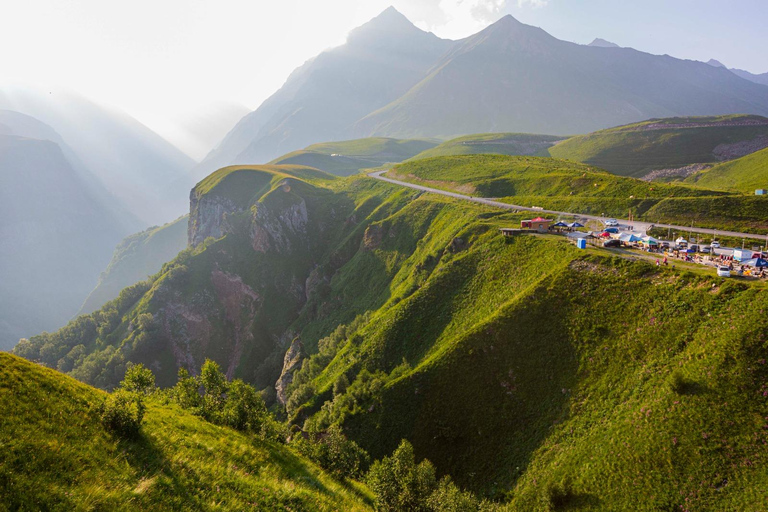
(482,410)
(148,461)
(297,468)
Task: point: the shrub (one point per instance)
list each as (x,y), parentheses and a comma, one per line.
(244,408)
(215,385)
(335,453)
(138,379)
(186,392)
(399,483)
(122,413)
(447,497)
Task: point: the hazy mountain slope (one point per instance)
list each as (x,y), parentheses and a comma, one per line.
(320,101)
(758,79)
(636,149)
(131,161)
(54,237)
(57,456)
(494,143)
(349,157)
(745,174)
(517,78)
(197,132)
(135,258)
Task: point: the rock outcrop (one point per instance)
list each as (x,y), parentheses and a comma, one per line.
(291,363)
(207,216)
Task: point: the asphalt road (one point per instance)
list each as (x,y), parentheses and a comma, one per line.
(638,227)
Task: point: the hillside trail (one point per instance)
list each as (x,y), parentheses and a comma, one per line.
(637,226)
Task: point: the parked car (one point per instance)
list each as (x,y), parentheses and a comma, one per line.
(612,243)
(706,249)
(715,244)
(693,247)
(682,242)
(723,272)
(611,222)
(666,245)
(611,230)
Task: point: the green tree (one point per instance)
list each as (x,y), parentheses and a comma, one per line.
(215,386)
(186,392)
(399,483)
(138,379)
(122,413)
(244,408)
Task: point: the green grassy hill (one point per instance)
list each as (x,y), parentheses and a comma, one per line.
(636,149)
(343,158)
(137,257)
(497,143)
(512,364)
(745,174)
(567,186)
(56,455)
(536,374)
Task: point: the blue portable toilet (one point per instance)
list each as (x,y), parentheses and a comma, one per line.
(581,243)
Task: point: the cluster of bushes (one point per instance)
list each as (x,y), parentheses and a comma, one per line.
(400,484)
(233,404)
(123,410)
(332,451)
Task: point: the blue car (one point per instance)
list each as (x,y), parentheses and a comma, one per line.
(611,230)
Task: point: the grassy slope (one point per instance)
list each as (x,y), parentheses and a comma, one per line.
(344,158)
(744,174)
(568,186)
(56,455)
(523,355)
(137,257)
(496,143)
(631,151)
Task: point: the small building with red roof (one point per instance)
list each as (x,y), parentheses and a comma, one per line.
(540,224)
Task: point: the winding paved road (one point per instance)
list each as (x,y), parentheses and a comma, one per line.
(638,226)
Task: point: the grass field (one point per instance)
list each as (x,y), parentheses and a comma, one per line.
(492,143)
(568,186)
(634,150)
(745,174)
(344,158)
(56,455)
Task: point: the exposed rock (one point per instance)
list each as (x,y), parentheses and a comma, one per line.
(207,216)
(374,234)
(678,172)
(457,244)
(291,363)
(240,305)
(741,148)
(273,230)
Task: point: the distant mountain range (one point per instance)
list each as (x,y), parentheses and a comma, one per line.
(391,79)
(132,162)
(58,227)
(758,79)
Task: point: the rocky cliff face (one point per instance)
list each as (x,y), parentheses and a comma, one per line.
(291,363)
(273,229)
(207,216)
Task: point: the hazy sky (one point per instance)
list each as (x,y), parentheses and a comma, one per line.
(164,60)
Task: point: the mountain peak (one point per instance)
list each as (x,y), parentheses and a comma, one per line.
(602,43)
(715,63)
(390,25)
